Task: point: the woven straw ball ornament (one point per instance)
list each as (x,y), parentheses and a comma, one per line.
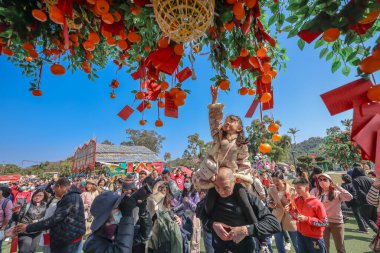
(184,20)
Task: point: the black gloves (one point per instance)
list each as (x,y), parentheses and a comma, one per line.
(142,206)
(127,205)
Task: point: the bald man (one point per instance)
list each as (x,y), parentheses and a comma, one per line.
(232,230)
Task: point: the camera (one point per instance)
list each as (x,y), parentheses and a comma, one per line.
(142,193)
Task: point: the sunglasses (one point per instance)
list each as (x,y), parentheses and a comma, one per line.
(323,180)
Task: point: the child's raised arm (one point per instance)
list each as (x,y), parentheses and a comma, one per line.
(215,113)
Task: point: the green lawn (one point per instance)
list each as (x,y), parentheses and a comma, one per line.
(355,242)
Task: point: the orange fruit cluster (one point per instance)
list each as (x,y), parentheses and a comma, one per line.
(57,69)
(331,34)
(265,148)
(179,96)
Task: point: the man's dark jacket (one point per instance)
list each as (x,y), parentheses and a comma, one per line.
(361,184)
(129,238)
(67,223)
(266,226)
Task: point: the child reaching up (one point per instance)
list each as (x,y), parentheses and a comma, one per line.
(229,148)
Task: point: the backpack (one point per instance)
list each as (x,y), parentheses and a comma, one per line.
(170,237)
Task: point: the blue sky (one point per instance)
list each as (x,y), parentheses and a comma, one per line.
(74,109)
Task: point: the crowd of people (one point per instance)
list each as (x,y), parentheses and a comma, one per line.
(230,204)
(163,212)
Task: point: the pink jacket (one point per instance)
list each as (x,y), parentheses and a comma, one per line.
(333,207)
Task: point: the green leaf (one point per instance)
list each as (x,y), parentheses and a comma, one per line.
(293,33)
(301,44)
(351,56)
(336,65)
(227,16)
(287,28)
(346,70)
(323,53)
(356,62)
(292,19)
(329,56)
(272,20)
(319,43)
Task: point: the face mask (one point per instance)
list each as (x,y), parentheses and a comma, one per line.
(324,184)
(187,185)
(117,217)
(23,188)
(83,183)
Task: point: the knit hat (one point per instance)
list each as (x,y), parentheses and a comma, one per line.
(102,206)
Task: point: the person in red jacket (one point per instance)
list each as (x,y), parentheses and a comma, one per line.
(178,178)
(311,219)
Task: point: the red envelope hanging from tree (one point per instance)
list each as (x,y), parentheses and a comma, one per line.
(309,36)
(142,106)
(358,119)
(252,108)
(366,138)
(341,99)
(125,112)
(171,110)
(377,159)
(184,74)
(262,87)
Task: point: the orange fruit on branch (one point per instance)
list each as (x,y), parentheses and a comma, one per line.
(86,65)
(56,15)
(181,95)
(266,78)
(108,18)
(57,69)
(142,122)
(251,91)
(224,84)
(101,6)
(74,37)
(262,53)
(161,104)
(250,3)
(273,127)
(148,105)
(94,38)
(88,45)
(33,53)
(134,37)
(265,148)
(122,44)
(116,16)
(89,56)
(370,64)
(178,49)
(161,95)
(173,91)
(135,10)
(37,93)
(371,17)
(243,91)
(140,95)
(244,52)
(266,97)
(238,9)
(7,51)
(229,26)
(28,58)
(276,137)
(374,93)
(112,95)
(110,41)
(27,46)
(331,34)
(164,85)
(163,42)
(39,15)
(158,123)
(179,101)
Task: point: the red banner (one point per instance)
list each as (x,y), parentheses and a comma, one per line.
(171,110)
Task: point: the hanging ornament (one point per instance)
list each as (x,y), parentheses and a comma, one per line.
(184,21)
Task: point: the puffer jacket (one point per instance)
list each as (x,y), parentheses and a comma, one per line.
(128,237)
(67,223)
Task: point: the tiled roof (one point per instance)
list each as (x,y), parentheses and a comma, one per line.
(128,154)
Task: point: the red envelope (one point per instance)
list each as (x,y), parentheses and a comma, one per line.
(359,120)
(341,99)
(141,107)
(136,75)
(370,109)
(252,108)
(236,63)
(308,36)
(269,105)
(171,110)
(367,136)
(184,74)
(125,112)
(262,87)
(377,160)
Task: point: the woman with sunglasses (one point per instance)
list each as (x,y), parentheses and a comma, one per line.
(332,196)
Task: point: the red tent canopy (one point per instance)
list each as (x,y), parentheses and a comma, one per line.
(10,178)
